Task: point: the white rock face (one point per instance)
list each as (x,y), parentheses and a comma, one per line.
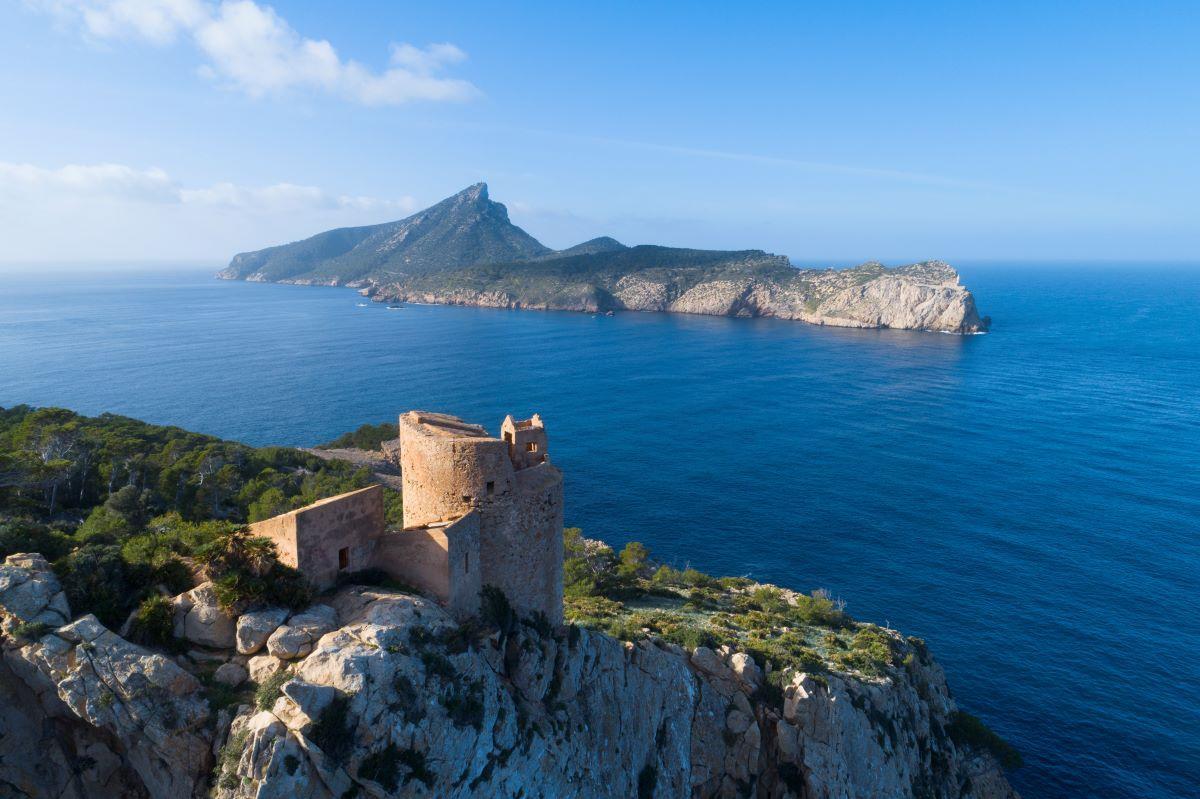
(582,715)
(256,626)
(150,713)
(298,637)
(30,593)
(199,619)
(923,296)
(400,701)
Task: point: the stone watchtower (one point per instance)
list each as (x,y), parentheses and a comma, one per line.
(451,469)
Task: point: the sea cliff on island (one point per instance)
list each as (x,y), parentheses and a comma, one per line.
(155,645)
(465,251)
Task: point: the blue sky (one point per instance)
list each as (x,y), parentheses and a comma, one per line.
(188,130)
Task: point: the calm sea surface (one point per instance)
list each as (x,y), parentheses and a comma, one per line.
(1028,501)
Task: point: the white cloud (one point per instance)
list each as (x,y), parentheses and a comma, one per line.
(26,182)
(251,48)
(109,180)
(98,212)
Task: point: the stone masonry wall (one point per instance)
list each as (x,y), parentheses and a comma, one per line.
(441,561)
(312,539)
(450,468)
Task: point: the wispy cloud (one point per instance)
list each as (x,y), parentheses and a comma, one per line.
(251,48)
(25,182)
(792,163)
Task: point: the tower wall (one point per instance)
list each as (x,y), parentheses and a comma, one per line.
(450,468)
(449,471)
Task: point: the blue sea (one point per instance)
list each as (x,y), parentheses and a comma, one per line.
(1028,501)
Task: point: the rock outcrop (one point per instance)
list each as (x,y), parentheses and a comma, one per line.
(400,700)
(88,714)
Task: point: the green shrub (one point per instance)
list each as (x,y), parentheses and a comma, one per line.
(495,609)
(368,436)
(271,688)
(333,730)
(464,705)
(17,535)
(246,571)
(382,767)
(154,624)
(414,761)
(31,630)
(438,665)
(96,578)
(969,730)
(408,700)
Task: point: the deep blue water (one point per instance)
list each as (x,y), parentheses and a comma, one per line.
(1028,501)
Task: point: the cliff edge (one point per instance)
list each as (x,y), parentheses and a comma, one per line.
(377,692)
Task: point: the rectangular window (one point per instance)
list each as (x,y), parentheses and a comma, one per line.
(491,487)
(531,446)
(343,558)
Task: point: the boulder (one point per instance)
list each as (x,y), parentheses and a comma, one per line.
(299,636)
(30,593)
(263,667)
(256,626)
(230,674)
(201,620)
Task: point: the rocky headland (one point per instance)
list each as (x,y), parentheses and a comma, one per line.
(376,692)
(465,251)
(152,646)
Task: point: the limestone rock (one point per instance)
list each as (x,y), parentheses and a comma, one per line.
(263,667)
(30,593)
(584,715)
(199,619)
(256,626)
(143,717)
(298,637)
(230,674)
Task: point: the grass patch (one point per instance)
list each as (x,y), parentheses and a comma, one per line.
(266,694)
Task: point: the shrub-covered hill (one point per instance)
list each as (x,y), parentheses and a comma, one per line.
(120,506)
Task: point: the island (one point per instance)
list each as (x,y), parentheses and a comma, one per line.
(465,251)
(182,616)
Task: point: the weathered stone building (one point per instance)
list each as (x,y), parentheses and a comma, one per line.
(478,511)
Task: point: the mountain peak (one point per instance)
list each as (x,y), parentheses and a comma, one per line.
(476,192)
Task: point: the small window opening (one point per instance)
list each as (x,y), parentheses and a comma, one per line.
(467,563)
(491,487)
(531,446)
(466,498)
(343,558)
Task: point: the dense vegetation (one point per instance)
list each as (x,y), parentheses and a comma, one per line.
(122,507)
(368,436)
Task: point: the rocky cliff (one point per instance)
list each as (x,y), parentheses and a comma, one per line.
(387,696)
(465,251)
(925,296)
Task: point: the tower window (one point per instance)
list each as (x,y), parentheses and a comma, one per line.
(491,487)
(531,446)
(343,558)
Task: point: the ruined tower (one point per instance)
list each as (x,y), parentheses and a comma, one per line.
(452,470)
